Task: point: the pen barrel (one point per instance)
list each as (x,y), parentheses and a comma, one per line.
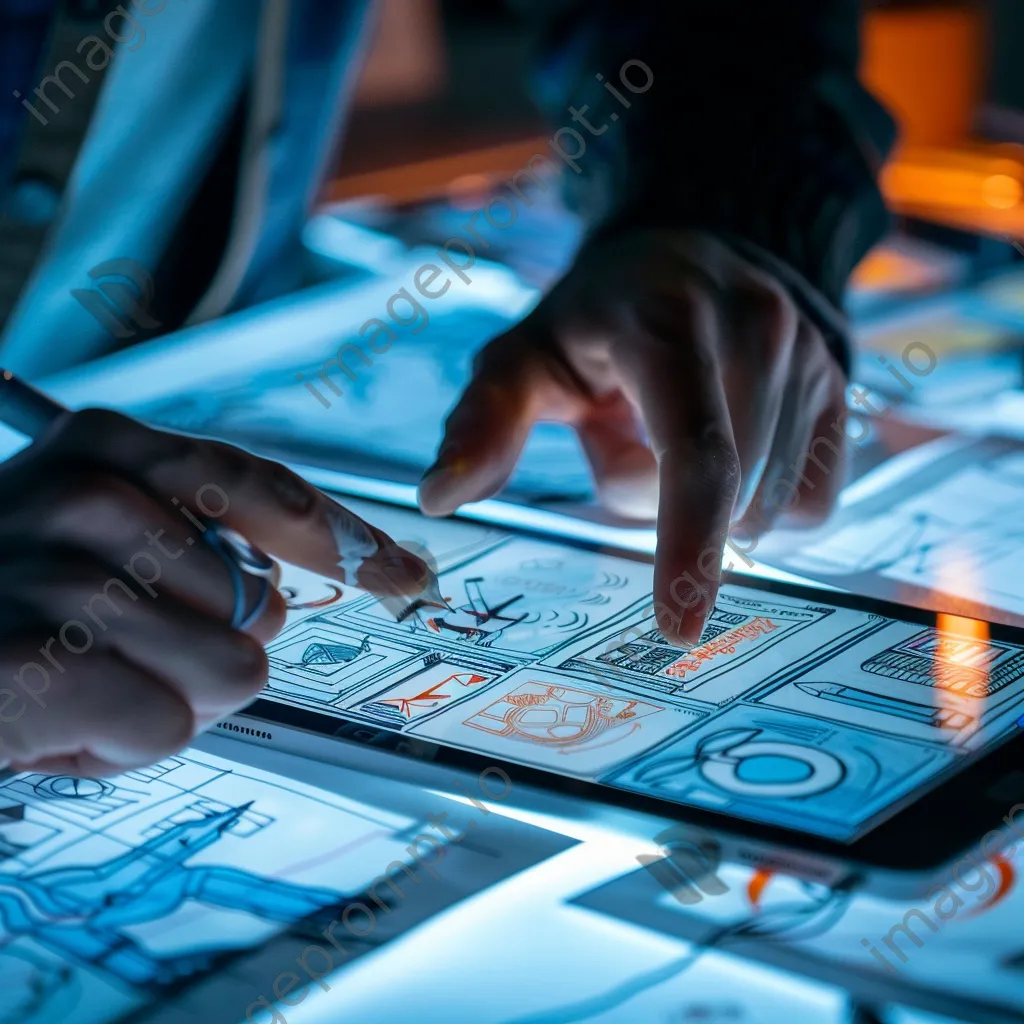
(25,408)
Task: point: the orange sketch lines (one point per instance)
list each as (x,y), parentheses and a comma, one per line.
(433,696)
(562,717)
(724,644)
(292,603)
(1007,878)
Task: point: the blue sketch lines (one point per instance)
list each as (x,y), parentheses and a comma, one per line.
(161,874)
(84,798)
(927,528)
(83,912)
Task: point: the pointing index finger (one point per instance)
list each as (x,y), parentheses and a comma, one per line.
(671,373)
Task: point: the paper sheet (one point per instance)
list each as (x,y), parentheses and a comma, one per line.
(203,871)
(944,533)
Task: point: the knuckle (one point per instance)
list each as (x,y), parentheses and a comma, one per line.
(234,468)
(94,426)
(295,496)
(502,354)
(718,458)
(172,452)
(769,307)
(691,294)
(661,311)
(91,501)
(66,573)
(489,360)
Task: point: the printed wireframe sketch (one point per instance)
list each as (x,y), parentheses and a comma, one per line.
(434,684)
(922,536)
(182,890)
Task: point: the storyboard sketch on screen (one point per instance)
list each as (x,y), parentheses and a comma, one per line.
(789,712)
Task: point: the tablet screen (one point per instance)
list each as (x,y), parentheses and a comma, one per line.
(791,712)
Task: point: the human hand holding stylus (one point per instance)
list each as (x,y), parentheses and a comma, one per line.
(125,630)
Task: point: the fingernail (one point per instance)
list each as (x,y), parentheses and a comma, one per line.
(403,568)
(741,535)
(444,469)
(434,490)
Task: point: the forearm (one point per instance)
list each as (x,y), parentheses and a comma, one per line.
(755,128)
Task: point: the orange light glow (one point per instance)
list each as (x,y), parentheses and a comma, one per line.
(974,186)
(1001,191)
(926,65)
(961,655)
(1007,881)
(973,628)
(960,660)
(756,886)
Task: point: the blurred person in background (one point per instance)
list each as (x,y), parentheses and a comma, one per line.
(697,343)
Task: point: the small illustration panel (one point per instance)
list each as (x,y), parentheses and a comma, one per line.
(784,769)
(745,640)
(321,661)
(525,598)
(436,685)
(963,665)
(539,717)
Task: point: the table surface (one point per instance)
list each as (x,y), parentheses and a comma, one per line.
(550,944)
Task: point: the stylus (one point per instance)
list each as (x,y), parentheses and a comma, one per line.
(32,413)
(26,408)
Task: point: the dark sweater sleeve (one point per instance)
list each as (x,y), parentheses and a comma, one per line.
(745,118)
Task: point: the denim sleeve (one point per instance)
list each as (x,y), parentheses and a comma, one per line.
(740,117)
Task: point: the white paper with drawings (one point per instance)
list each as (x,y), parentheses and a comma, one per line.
(189,886)
(939,527)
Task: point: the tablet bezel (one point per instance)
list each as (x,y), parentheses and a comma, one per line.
(942,822)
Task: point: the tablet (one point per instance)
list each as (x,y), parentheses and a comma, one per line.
(846,728)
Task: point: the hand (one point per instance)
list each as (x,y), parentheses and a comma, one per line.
(115,615)
(695,385)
